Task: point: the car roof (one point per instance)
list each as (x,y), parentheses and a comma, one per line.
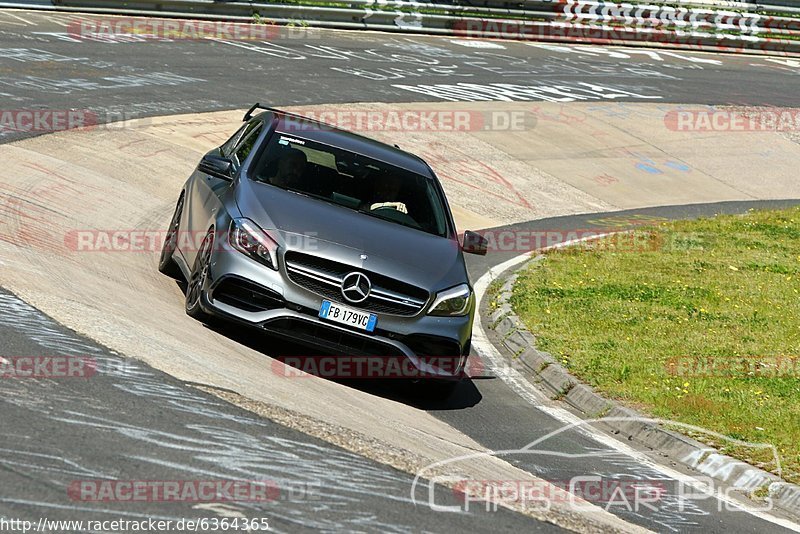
(294,125)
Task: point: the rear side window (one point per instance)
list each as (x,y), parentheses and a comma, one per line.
(246,144)
(228,146)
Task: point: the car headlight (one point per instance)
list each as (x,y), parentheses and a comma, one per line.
(452,302)
(246,237)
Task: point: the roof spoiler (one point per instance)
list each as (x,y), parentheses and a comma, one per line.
(249,114)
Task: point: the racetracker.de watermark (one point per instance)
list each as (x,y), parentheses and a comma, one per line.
(565,31)
(153,240)
(593,239)
(173,490)
(411,120)
(343,367)
(47,120)
(47,367)
(747,366)
(169,29)
(36,120)
(734,120)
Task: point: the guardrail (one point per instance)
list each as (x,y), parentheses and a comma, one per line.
(709,25)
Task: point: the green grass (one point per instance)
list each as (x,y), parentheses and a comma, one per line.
(618,313)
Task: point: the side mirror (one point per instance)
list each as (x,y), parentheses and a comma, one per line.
(217,166)
(475,243)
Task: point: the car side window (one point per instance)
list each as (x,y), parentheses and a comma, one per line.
(227,147)
(248,141)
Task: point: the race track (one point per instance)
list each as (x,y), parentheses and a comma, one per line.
(597,146)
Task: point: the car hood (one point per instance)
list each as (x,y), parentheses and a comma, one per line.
(337,233)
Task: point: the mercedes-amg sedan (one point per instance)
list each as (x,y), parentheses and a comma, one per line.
(331,239)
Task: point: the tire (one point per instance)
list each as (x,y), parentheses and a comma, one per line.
(194,289)
(166,264)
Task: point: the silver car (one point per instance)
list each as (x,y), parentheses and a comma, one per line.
(334,240)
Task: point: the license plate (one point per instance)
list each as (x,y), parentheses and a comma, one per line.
(346,315)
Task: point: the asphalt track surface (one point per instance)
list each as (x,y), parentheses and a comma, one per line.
(132,423)
(99,428)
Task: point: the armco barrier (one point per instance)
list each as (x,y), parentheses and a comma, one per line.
(709,25)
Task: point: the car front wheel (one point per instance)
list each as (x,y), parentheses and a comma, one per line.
(197,280)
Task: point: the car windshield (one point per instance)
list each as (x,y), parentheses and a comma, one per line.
(352,181)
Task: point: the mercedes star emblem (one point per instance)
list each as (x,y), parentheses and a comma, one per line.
(356,287)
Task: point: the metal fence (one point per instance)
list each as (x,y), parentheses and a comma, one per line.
(711,25)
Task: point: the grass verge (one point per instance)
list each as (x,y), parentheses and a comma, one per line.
(692,321)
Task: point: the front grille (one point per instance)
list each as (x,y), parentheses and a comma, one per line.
(324,277)
(246,295)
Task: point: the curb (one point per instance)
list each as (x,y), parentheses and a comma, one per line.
(514,340)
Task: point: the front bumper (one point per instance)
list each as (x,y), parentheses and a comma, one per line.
(242,290)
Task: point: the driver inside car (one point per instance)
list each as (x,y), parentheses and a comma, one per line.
(290,169)
(386,192)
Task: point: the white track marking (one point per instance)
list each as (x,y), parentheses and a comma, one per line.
(10,22)
(522,387)
(27,22)
(67,20)
(794,63)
